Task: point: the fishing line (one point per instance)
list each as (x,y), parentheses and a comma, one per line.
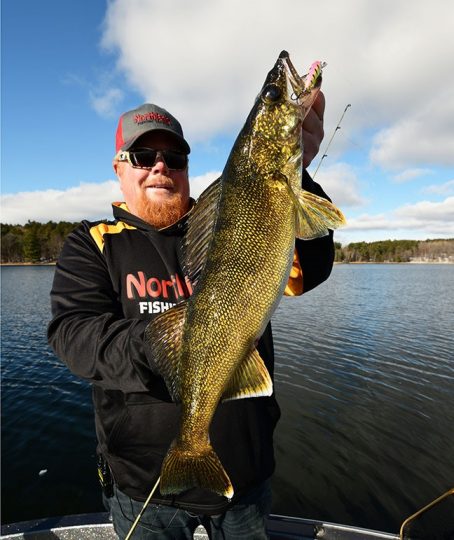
(145,524)
(329,142)
(144,507)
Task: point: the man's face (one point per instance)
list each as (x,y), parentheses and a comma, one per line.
(157,195)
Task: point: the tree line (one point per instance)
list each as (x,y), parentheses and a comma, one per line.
(396,251)
(37,242)
(34,242)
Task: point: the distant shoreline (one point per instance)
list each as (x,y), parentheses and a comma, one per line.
(28,264)
(393,262)
(336,262)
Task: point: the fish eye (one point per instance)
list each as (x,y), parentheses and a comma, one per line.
(271,93)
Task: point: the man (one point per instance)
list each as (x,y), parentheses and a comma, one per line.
(111,279)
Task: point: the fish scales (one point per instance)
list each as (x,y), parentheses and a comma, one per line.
(239,252)
(226,295)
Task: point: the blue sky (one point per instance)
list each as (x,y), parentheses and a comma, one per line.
(69,68)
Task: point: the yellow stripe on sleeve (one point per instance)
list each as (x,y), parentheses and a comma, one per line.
(295,281)
(98,231)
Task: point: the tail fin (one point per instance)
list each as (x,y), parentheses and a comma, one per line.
(185,469)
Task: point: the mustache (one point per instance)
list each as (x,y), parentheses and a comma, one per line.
(160,181)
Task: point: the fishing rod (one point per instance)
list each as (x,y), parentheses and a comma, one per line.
(139,515)
(329,142)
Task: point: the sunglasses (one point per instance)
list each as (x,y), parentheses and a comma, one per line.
(145,158)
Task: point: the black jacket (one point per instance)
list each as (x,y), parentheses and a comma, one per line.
(110,280)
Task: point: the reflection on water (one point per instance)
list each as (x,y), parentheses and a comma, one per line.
(364,376)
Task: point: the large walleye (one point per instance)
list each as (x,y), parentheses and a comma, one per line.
(238,255)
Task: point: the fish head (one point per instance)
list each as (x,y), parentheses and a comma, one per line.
(274,125)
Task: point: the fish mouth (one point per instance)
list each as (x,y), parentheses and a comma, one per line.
(295,83)
(299,87)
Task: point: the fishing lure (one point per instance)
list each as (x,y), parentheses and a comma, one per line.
(311,79)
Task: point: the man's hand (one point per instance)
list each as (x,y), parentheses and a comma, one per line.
(313,129)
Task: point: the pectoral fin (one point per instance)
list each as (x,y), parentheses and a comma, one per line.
(314,215)
(163,336)
(251,379)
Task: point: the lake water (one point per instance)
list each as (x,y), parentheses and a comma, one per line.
(364,377)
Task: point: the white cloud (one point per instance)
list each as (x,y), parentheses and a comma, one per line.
(105,103)
(341,184)
(421,220)
(426,213)
(411,174)
(366,222)
(441,189)
(423,136)
(205,62)
(104,96)
(93,201)
(86,201)
(199,183)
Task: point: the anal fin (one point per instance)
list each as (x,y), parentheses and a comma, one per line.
(251,379)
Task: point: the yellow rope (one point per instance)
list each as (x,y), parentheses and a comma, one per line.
(427,507)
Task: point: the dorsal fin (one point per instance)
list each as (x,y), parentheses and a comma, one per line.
(201,223)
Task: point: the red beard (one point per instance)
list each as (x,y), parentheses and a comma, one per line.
(162,213)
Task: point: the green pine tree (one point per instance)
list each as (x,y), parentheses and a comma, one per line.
(32,246)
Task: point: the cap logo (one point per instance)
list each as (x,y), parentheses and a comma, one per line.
(152,117)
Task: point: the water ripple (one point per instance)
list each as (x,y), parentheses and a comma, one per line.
(364,376)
